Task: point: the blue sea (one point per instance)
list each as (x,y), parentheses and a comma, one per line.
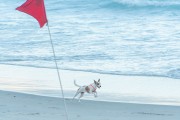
(121,37)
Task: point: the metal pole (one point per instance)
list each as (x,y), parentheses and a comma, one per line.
(58,73)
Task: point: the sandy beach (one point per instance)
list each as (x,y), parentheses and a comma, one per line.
(18,106)
(27,81)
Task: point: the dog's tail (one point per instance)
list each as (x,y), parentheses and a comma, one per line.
(76,84)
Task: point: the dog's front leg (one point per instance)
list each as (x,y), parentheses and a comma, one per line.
(95,94)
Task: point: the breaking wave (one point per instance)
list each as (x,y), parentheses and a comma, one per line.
(141,4)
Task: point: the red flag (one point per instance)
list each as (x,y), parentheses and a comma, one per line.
(36,9)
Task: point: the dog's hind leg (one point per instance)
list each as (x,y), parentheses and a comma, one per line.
(82,93)
(76,94)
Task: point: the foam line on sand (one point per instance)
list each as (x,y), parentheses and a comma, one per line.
(131,89)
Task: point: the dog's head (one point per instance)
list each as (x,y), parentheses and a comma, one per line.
(97,83)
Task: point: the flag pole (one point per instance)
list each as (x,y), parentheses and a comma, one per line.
(36,8)
(58,73)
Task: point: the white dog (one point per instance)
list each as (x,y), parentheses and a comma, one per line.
(91,89)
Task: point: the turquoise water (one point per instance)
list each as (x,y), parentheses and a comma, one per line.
(124,37)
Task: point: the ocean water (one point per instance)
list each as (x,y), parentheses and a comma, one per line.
(123,37)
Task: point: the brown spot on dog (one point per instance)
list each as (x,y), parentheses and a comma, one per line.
(87,89)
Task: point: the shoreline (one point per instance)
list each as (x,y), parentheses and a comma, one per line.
(89,71)
(88,100)
(126,89)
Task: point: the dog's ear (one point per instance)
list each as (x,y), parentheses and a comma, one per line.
(99,80)
(95,82)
